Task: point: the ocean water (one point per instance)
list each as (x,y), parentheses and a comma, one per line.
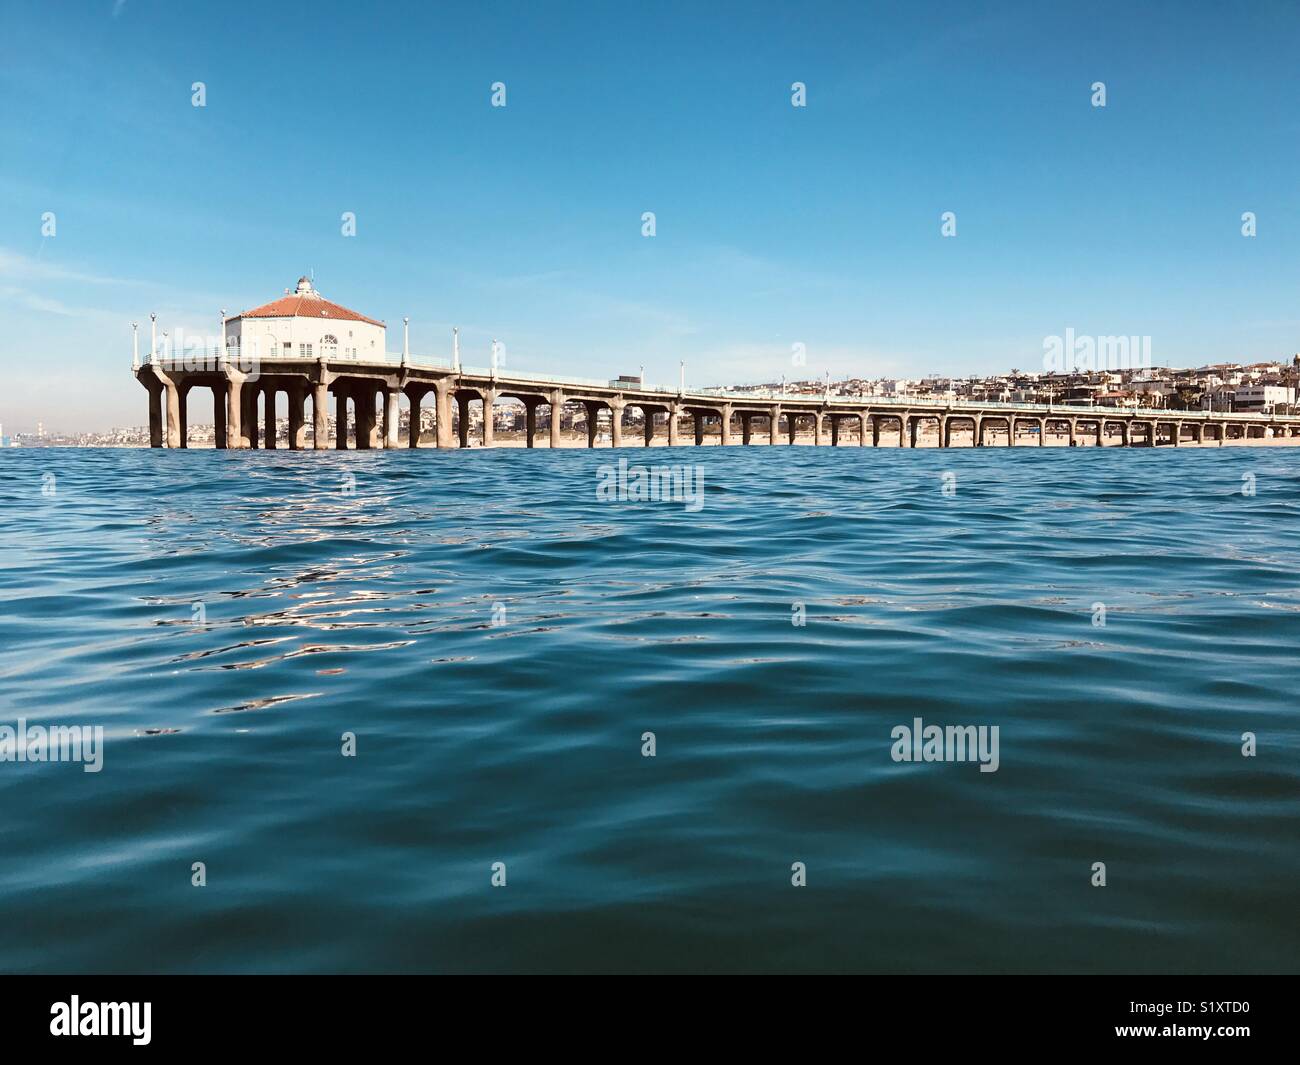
(498,640)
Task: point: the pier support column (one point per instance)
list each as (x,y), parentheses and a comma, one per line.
(1177,433)
(363,415)
(183,404)
(904,427)
(268,436)
(1223,432)
(724,413)
(1125,439)
(254,421)
(674,428)
(462,418)
(875,430)
(648,415)
(746,429)
(1199,429)
(1011,432)
(913,431)
(593,420)
(978,440)
(392,416)
(791,427)
(342,393)
(616,422)
(320,415)
(234,408)
(173,415)
(363,402)
(248,435)
(835,431)
(360,431)
(530,422)
(557,410)
(698,415)
(863,419)
(442,428)
(945,432)
(1073,425)
(1042,432)
(489,416)
(773,423)
(219,417)
(414,399)
(297,395)
(156,435)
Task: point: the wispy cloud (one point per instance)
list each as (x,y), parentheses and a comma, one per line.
(17,267)
(43,304)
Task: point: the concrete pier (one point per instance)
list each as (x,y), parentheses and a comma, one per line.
(320,413)
(242,395)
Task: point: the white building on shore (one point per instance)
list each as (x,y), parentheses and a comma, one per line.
(303,323)
(1268,398)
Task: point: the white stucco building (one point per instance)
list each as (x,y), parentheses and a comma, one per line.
(1269,398)
(305,324)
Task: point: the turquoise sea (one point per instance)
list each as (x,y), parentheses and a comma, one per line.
(498,640)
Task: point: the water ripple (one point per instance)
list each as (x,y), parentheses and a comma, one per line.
(497,641)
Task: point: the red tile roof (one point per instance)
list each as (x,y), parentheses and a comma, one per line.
(304,306)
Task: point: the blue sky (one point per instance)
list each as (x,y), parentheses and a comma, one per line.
(775,225)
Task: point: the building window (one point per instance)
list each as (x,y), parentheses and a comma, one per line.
(329,346)
(304,350)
